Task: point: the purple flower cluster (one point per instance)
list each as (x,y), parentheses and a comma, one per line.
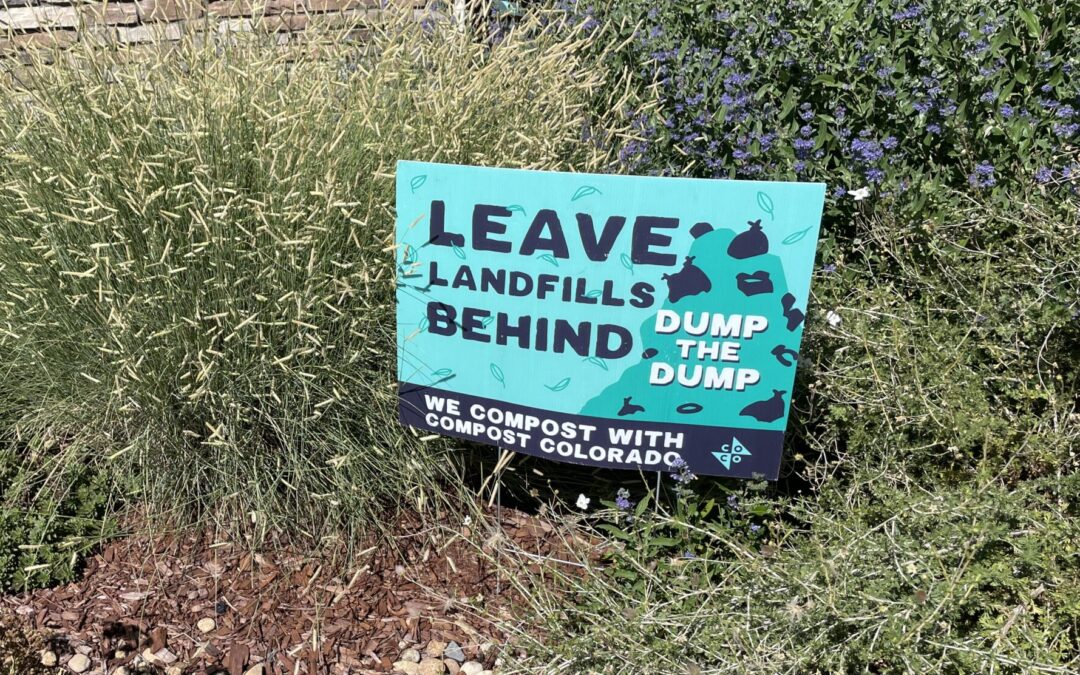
(868,154)
(907,13)
(725,81)
(622,500)
(681,472)
(1066,130)
(983,176)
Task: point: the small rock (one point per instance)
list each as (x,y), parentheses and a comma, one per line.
(119,654)
(80,663)
(206,625)
(120,670)
(453,651)
(85,649)
(174,670)
(163,655)
(410,655)
(48,658)
(435,649)
(452,666)
(257,669)
(407,667)
(471,668)
(431,667)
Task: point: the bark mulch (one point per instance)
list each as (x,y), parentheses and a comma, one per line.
(143,597)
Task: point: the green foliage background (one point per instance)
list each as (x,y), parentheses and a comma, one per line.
(926,517)
(196,311)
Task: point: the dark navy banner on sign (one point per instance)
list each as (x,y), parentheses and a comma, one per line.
(596,441)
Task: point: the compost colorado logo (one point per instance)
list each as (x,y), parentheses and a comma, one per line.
(604,320)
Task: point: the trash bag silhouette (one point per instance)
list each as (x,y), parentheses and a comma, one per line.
(793,314)
(690,280)
(755,283)
(785,355)
(629,408)
(699,230)
(749,243)
(769,410)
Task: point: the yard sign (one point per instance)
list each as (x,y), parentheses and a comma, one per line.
(614,321)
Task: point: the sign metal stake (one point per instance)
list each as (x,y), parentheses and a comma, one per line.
(498,522)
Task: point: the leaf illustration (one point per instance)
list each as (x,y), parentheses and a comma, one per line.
(584,191)
(765,202)
(423,324)
(594,293)
(458,251)
(797,236)
(497,373)
(410,255)
(597,361)
(516,208)
(417,181)
(627,262)
(560,385)
(550,258)
(442,372)
(487,321)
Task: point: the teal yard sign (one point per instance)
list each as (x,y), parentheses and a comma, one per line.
(615,321)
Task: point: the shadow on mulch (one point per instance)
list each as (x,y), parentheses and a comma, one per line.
(21,648)
(141,600)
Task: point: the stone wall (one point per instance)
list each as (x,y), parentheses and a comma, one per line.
(25,24)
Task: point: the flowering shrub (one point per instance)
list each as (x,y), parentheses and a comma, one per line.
(948,135)
(894,579)
(893,95)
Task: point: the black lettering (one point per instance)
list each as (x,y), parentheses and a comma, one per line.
(437,227)
(464,278)
(556,243)
(483,225)
(440,318)
(645,239)
(603,340)
(504,330)
(577,339)
(607,298)
(433,276)
(643,295)
(472,322)
(599,249)
(492,280)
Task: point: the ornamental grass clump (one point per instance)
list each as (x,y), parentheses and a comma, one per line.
(197,277)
